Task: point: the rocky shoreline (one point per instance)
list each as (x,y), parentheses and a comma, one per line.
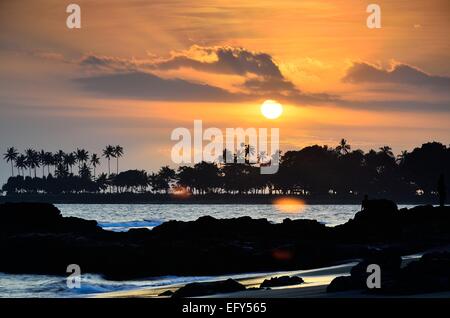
(35,238)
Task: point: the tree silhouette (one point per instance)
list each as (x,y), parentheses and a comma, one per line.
(108,153)
(313,170)
(82,156)
(11,156)
(21,163)
(70,159)
(118,152)
(32,160)
(387,151)
(343,147)
(95,161)
(47,160)
(401,158)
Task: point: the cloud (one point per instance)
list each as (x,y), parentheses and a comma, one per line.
(133,78)
(145,86)
(224,60)
(399,73)
(143,79)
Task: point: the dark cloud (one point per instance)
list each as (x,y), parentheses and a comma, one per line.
(138,85)
(269,85)
(228,60)
(134,79)
(399,74)
(146,86)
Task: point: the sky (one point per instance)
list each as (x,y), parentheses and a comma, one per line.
(137,69)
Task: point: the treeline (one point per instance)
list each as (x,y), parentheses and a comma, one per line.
(311,170)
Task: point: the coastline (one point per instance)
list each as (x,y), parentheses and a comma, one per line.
(315,284)
(317,278)
(149,198)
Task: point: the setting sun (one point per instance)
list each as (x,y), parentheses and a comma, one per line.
(271,109)
(289,205)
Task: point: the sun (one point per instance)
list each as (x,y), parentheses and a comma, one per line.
(271,109)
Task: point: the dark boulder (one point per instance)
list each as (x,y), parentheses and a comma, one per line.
(166,293)
(431,273)
(344,283)
(389,262)
(209,288)
(282,281)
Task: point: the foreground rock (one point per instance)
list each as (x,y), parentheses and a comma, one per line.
(282,281)
(209,288)
(389,262)
(431,273)
(35,238)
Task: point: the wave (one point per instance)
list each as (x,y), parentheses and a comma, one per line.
(126,225)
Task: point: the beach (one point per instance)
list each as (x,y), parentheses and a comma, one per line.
(314,286)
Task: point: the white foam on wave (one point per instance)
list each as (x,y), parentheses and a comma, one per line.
(126,225)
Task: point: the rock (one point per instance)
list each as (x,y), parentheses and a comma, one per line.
(389,262)
(166,293)
(431,273)
(344,283)
(282,281)
(209,288)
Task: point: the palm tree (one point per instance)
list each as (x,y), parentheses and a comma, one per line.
(387,150)
(402,157)
(249,151)
(21,163)
(61,170)
(58,159)
(108,153)
(262,157)
(11,156)
(48,160)
(343,147)
(85,172)
(41,158)
(32,160)
(102,181)
(95,161)
(226,155)
(70,160)
(82,156)
(118,152)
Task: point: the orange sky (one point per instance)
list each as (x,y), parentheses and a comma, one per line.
(336,78)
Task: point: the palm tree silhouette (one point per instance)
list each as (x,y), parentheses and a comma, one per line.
(32,160)
(95,161)
(402,157)
(11,156)
(118,152)
(82,156)
(47,160)
(343,147)
(108,153)
(70,160)
(21,163)
(249,151)
(41,158)
(262,157)
(387,150)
